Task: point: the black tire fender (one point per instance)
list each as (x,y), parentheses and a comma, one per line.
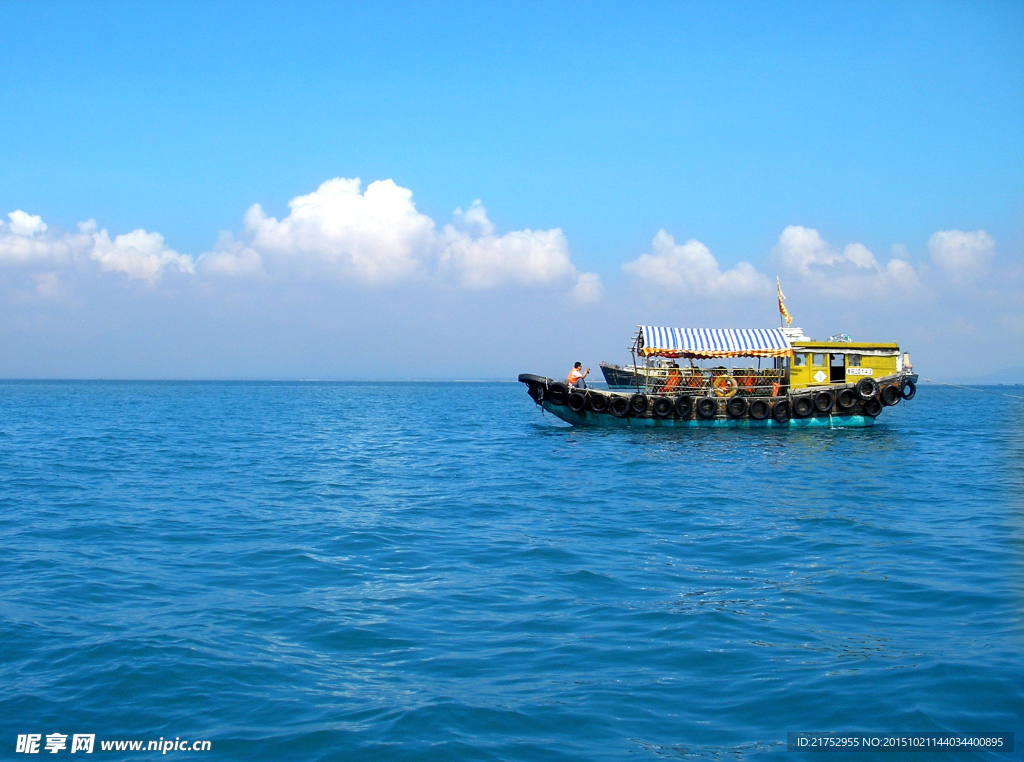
(737,407)
(846,399)
(867,388)
(823,401)
(638,404)
(684,406)
(802,406)
(598,402)
(781,411)
(529,378)
(662,407)
(558,393)
(707,408)
(577,401)
(872,408)
(908,389)
(619,406)
(759,409)
(890,395)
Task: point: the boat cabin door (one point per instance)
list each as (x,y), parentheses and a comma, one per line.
(818,368)
(837,369)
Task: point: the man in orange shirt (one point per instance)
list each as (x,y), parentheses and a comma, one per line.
(576,376)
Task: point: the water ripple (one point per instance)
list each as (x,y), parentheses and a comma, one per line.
(438,571)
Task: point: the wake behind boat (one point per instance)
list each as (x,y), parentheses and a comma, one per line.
(796,383)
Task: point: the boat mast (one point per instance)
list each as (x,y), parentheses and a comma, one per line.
(632,351)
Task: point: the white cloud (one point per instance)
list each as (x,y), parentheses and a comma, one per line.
(28,243)
(860,256)
(961,255)
(588,289)
(378,237)
(902,274)
(26,224)
(374,237)
(18,249)
(854,273)
(806,257)
(475,218)
(691,269)
(800,248)
(138,254)
(522,257)
(231,258)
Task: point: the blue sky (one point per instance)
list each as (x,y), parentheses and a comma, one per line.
(881,125)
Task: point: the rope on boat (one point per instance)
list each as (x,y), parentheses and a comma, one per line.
(971,388)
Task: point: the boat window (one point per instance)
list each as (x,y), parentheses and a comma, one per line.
(837,361)
(853,361)
(799,359)
(818,360)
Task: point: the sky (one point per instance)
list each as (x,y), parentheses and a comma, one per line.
(474,190)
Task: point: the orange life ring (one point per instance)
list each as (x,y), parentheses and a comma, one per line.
(724,386)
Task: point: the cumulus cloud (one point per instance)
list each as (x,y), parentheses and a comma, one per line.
(375,237)
(475,218)
(692,269)
(378,237)
(231,258)
(26,224)
(478,258)
(961,255)
(23,242)
(588,289)
(26,242)
(138,254)
(854,272)
(800,248)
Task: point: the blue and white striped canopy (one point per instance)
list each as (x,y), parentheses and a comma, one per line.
(712,342)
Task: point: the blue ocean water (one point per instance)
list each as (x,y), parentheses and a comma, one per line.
(318,571)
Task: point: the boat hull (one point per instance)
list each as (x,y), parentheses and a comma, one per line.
(619,379)
(588,418)
(817,408)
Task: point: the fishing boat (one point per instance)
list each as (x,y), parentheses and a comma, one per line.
(625,377)
(720,377)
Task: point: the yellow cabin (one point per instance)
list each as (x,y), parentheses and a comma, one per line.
(823,363)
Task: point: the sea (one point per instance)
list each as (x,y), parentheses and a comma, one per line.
(442,571)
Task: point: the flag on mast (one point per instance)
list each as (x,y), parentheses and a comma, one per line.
(782,306)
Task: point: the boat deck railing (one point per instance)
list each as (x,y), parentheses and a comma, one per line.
(748,382)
